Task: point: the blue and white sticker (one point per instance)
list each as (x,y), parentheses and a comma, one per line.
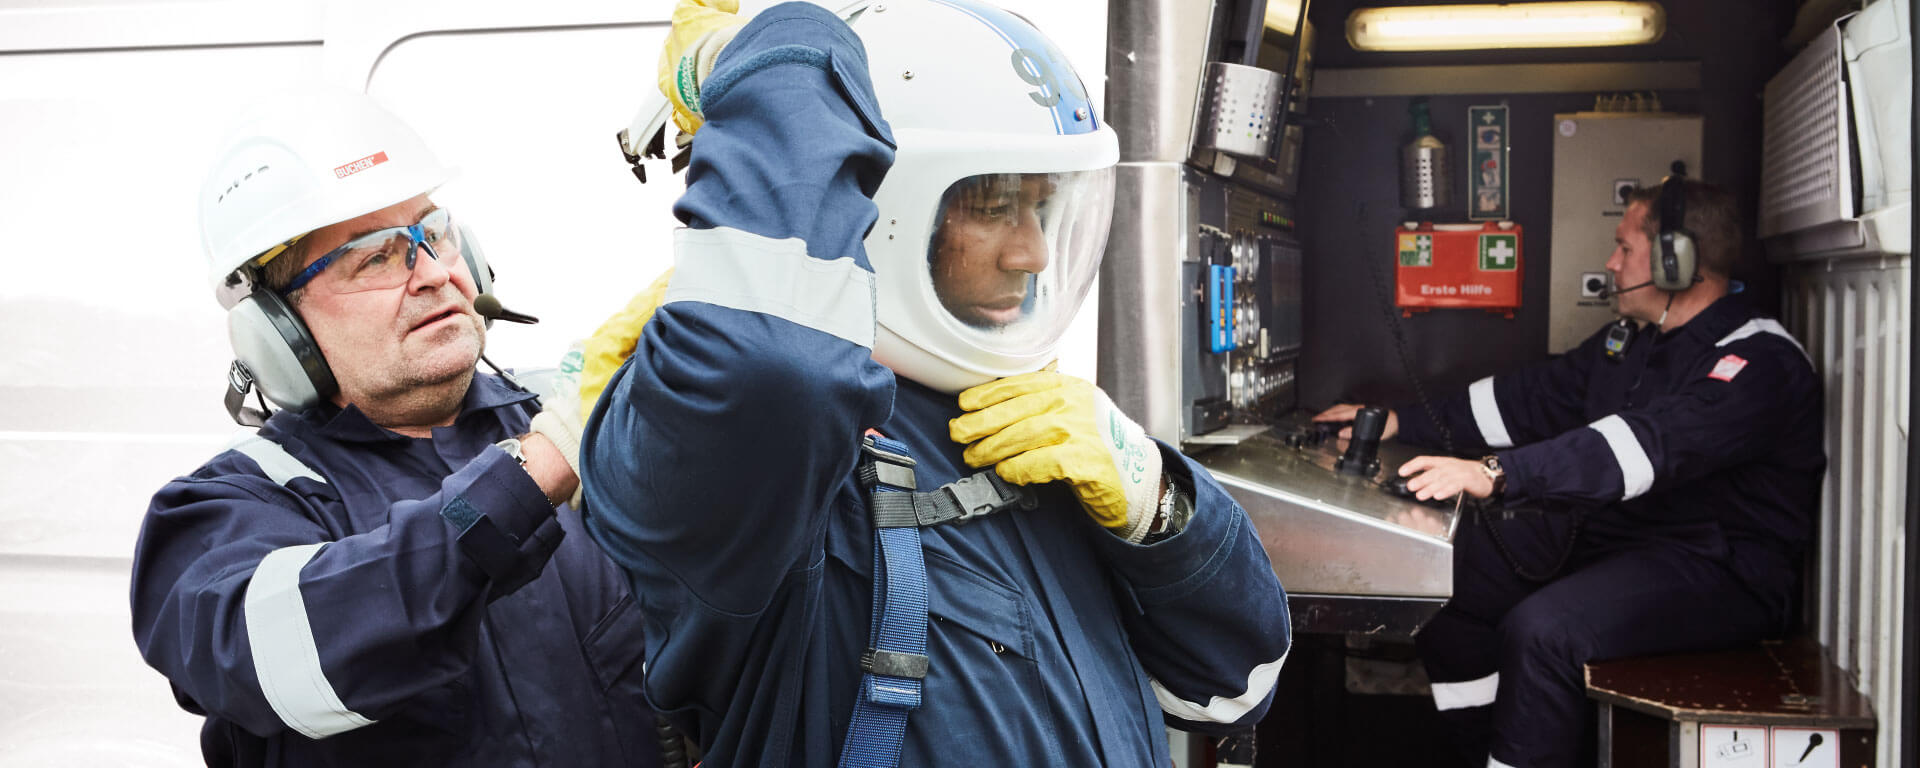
(1038,63)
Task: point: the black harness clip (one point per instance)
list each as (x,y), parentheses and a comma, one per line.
(984,493)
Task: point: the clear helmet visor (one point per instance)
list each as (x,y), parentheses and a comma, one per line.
(1013,254)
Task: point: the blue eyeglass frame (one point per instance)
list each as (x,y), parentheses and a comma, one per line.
(416,234)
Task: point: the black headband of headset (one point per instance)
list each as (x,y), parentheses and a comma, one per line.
(1673,201)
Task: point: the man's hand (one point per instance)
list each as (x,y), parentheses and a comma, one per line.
(1440,477)
(557,428)
(1343,413)
(700,29)
(1045,426)
(549,467)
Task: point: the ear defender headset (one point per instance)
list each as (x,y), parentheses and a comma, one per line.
(274,351)
(1675,261)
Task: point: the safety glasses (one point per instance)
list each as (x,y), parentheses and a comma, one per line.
(382,258)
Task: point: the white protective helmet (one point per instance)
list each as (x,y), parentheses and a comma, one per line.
(994,217)
(302,160)
(296,162)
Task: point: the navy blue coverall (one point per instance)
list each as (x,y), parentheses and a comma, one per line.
(307,591)
(1679,483)
(719,472)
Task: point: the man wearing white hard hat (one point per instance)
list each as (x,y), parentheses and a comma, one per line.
(388,572)
(867,523)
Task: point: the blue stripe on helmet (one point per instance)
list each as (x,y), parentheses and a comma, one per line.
(1041,64)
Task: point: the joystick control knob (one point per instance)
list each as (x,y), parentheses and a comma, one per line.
(1362,456)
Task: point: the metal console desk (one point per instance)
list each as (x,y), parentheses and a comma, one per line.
(1353,557)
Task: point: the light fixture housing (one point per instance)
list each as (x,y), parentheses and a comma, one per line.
(1587,23)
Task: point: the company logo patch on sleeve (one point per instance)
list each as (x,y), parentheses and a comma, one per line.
(1727,368)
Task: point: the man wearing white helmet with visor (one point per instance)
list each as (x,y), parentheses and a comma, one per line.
(383,574)
(867,522)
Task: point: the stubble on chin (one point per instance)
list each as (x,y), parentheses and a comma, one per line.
(447,354)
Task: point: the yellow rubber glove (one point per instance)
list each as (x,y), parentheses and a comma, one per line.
(1045,426)
(700,29)
(609,347)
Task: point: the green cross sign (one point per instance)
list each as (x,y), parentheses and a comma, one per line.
(1422,253)
(1499,253)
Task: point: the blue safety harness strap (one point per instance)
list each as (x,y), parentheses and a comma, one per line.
(895,664)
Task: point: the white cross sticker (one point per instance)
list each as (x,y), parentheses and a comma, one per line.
(1487,117)
(1501,252)
(1423,241)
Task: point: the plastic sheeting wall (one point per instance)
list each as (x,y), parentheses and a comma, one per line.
(1852,316)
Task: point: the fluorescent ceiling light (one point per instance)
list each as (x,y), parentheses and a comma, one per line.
(1281,14)
(1515,25)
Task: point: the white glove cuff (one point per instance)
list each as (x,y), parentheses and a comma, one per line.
(1137,459)
(565,435)
(707,51)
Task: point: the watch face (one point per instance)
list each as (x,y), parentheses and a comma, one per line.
(1491,465)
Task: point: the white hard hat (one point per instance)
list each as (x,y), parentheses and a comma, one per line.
(979,100)
(301,161)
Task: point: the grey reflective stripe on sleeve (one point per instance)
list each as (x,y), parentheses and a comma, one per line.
(1486,414)
(1221,709)
(741,270)
(1761,325)
(1478,692)
(285,658)
(1636,470)
(274,460)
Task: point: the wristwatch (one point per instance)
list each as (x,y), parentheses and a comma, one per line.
(1163,513)
(1171,514)
(512,446)
(1490,464)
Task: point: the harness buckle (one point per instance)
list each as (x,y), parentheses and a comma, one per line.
(984,493)
(884,467)
(912,666)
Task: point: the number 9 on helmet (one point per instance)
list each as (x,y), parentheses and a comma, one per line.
(994,217)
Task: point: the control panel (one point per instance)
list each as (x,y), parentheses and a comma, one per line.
(1241,310)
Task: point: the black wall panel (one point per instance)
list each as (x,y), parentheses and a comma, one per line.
(1349,201)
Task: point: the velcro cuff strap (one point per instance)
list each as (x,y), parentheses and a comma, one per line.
(895,664)
(461,513)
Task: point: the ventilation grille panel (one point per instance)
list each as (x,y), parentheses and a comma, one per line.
(1804,170)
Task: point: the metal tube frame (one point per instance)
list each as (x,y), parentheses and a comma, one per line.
(1910,631)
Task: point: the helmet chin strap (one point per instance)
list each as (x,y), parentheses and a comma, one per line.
(239,382)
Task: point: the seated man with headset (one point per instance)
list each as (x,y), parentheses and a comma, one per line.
(1676,455)
(384,574)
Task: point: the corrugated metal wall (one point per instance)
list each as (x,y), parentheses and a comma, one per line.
(1852,315)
